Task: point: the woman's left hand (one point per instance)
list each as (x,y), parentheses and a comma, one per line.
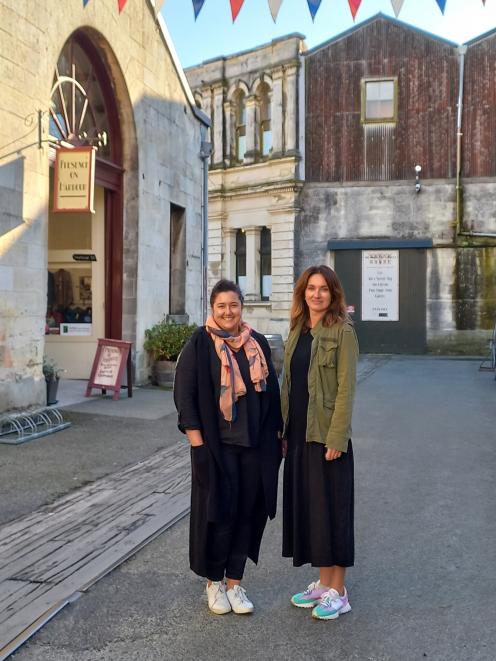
(332,454)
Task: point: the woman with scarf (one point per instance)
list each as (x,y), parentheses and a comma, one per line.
(227,396)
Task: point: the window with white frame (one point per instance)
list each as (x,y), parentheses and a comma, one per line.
(240,119)
(265,264)
(379,100)
(265,128)
(241,259)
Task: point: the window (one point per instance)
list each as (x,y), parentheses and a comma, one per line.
(265,135)
(265,264)
(177,260)
(379,100)
(77,110)
(241,259)
(240,127)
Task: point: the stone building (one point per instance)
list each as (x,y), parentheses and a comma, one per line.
(69,76)
(254,101)
(400,181)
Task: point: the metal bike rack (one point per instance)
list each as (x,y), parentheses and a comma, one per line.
(27,426)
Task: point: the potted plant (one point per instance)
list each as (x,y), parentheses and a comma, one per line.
(52,373)
(164,342)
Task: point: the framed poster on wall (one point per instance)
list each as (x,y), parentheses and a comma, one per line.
(380,285)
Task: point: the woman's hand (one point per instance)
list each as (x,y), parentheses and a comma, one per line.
(194,437)
(332,454)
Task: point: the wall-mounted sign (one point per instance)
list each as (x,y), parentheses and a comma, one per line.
(380,285)
(74,180)
(84,258)
(76,330)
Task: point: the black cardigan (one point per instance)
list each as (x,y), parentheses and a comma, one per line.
(197,391)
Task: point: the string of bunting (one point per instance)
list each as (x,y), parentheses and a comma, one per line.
(313,6)
(275,6)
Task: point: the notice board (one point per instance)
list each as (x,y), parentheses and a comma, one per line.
(112,357)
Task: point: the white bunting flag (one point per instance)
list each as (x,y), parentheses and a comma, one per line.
(158,6)
(274,6)
(397,5)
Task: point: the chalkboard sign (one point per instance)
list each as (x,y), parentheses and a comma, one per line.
(111,358)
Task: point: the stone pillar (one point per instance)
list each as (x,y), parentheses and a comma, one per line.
(229,270)
(207,108)
(291,114)
(218,154)
(276,113)
(252,263)
(251,125)
(229,156)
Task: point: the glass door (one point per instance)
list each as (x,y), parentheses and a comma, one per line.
(75,316)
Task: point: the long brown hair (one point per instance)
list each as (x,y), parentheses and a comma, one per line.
(336,310)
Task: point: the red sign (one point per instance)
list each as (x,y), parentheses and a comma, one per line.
(111,358)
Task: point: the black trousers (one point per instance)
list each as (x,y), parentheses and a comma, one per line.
(228,543)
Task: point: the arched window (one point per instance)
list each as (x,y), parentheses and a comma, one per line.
(78,113)
(265,128)
(240,123)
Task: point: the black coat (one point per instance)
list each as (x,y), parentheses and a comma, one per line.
(196,396)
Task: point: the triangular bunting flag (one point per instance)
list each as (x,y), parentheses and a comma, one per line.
(197,5)
(397,5)
(158,6)
(313,5)
(122,4)
(85,2)
(235,7)
(274,6)
(354,4)
(442,4)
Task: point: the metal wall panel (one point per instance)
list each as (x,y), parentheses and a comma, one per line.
(479,109)
(339,147)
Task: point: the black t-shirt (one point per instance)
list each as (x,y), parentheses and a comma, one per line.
(245,430)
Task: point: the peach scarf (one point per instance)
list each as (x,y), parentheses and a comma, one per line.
(232,385)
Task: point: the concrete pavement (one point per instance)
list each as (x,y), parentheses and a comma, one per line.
(424,584)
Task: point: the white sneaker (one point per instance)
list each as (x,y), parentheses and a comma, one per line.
(217,598)
(239,601)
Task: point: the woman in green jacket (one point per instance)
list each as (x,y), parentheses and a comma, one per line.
(317,400)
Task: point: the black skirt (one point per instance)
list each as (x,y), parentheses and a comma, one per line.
(318,508)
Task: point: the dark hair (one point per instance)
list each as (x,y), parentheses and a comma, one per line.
(223,286)
(336,310)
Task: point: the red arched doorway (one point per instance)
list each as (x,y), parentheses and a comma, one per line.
(85,299)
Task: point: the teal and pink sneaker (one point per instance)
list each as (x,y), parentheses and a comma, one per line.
(332,605)
(310,597)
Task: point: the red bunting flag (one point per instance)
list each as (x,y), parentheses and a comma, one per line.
(354,5)
(122,4)
(235,7)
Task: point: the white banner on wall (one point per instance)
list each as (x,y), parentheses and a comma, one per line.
(380,285)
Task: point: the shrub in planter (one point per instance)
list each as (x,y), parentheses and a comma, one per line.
(164,342)
(52,373)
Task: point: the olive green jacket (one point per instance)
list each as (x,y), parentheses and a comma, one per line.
(331,383)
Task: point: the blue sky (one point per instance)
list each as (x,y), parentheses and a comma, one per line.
(213,34)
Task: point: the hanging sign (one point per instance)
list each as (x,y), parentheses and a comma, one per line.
(380,285)
(74,180)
